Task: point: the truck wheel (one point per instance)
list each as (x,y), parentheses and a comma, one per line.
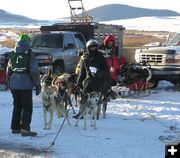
(58,69)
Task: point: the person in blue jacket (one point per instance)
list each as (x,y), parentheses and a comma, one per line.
(22,76)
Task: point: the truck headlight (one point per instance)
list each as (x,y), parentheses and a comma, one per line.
(170,56)
(44,59)
(137,57)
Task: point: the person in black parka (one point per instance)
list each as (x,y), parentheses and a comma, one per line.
(94,71)
(94,74)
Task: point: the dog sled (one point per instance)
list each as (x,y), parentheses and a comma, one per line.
(134,81)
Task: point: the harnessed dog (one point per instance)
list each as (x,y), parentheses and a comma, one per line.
(51,101)
(64,85)
(88,105)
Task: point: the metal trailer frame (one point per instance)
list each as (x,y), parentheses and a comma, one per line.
(81,17)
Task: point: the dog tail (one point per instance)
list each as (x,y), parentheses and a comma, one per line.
(49,72)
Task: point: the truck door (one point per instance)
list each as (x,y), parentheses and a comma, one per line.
(70,53)
(80,41)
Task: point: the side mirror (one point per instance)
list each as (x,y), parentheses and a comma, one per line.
(70,46)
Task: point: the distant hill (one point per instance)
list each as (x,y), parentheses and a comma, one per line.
(102,13)
(119,11)
(6,17)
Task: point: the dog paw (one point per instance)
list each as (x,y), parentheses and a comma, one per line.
(47,128)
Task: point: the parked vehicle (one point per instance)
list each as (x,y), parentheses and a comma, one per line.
(57,46)
(164,61)
(57,50)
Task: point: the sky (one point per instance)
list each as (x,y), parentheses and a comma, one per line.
(54,9)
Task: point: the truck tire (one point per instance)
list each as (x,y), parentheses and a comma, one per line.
(155,81)
(58,69)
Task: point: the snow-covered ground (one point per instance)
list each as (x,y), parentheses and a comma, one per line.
(4,35)
(171,24)
(4,49)
(167,23)
(132,129)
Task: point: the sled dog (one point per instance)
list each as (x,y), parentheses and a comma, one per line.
(51,103)
(90,107)
(64,85)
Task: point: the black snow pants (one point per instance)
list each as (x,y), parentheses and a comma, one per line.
(22,111)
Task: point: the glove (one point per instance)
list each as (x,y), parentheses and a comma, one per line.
(38,89)
(112,69)
(93,69)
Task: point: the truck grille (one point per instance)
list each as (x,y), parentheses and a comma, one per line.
(151,58)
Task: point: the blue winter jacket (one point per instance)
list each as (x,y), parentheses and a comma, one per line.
(24,80)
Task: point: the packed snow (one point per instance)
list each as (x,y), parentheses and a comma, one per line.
(134,127)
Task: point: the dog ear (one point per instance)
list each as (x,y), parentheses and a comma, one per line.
(92,94)
(50,72)
(43,78)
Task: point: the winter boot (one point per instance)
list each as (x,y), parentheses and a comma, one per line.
(77,115)
(16,131)
(27,133)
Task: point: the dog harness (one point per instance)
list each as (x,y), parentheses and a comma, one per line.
(48,105)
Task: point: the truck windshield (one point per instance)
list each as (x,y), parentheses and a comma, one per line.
(175,41)
(47,41)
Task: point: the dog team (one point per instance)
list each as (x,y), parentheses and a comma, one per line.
(90,87)
(57,93)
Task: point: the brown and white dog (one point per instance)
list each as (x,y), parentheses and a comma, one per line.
(90,107)
(64,85)
(51,102)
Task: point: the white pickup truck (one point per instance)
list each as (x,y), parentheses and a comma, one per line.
(164,61)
